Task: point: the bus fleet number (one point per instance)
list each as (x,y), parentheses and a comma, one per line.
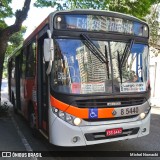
(129,111)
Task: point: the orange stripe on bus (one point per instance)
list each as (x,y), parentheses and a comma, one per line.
(80,112)
(105,113)
(58,104)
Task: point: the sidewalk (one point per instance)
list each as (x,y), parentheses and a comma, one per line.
(155,102)
(9,138)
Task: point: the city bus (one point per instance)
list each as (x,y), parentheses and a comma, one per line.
(82,78)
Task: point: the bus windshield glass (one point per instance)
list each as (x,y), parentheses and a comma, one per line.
(77,70)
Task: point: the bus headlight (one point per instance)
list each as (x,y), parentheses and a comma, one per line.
(77,121)
(144,113)
(61,115)
(67,117)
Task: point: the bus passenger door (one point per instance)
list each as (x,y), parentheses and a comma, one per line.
(17,72)
(42,90)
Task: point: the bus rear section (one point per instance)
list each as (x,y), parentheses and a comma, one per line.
(91,81)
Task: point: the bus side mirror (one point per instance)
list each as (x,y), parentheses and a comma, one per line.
(48,53)
(48,50)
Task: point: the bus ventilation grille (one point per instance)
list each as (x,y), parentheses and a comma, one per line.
(110,103)
(102,135)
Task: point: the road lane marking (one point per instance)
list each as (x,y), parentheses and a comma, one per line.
(23,139)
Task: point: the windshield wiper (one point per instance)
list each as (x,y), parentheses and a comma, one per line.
(107,62)
(126,52)
(119,67)
(124,58)
(92,47)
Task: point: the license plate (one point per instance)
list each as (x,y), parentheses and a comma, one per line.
(114,132)
(129,111)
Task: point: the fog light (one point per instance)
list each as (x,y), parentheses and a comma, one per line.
(75,139)
(77,121)
(144,130)
(142,115)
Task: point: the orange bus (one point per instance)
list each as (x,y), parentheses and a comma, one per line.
(82,78)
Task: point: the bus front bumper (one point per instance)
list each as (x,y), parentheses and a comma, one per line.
(64,134)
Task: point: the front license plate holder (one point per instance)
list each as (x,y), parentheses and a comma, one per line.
(114,132)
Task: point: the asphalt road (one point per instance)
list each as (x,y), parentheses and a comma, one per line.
(15,135)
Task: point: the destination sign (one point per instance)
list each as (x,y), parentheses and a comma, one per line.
(100,23)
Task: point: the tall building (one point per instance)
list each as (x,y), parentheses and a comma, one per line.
(91,68)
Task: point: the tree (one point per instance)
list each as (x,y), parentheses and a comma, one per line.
(14,41)
(7,31)
(133,7)
(153,22)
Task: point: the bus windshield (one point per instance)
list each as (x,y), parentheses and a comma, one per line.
(77,70)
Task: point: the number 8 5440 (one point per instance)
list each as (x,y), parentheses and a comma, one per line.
(129,111)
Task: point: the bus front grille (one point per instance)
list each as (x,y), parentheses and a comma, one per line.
(102,135)
(110,102)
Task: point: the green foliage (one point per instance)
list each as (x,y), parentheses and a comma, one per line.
(133,7)
(15,40)
(50,3)
(2,24)
(153,22)
(5,11)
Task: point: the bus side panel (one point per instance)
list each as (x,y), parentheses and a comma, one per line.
(17,74)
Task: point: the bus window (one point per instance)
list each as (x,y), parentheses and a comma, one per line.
(23,64)
(61,75)
(76,68)
(12,69)
(30,66)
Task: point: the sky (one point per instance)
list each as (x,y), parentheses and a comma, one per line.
(35,15)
